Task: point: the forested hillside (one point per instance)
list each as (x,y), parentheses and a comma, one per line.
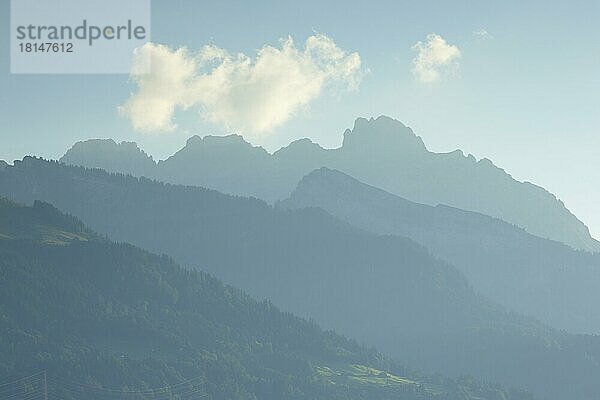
(110,321)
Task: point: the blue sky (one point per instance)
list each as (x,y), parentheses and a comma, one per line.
(526,96)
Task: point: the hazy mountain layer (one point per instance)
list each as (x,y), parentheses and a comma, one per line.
(533,276)
(381,152)
(385,290)
(101,318)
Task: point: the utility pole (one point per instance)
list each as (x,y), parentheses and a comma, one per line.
(45,386)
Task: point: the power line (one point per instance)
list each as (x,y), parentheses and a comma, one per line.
(40,386)
(21,379)
(78,385)
(31,387)
(181,390)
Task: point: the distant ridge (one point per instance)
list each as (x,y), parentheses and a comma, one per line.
(381,152)
(527,274)
(115,157)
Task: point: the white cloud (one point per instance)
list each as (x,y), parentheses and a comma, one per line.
(432,57)
(251,95)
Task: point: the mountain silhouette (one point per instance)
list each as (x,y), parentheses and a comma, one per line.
(107,154)
(533,276)
(381,152)
(386,290)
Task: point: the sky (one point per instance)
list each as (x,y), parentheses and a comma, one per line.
(516,81)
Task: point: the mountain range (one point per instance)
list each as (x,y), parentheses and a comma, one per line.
(383,289)
(381,152)
(525,273)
